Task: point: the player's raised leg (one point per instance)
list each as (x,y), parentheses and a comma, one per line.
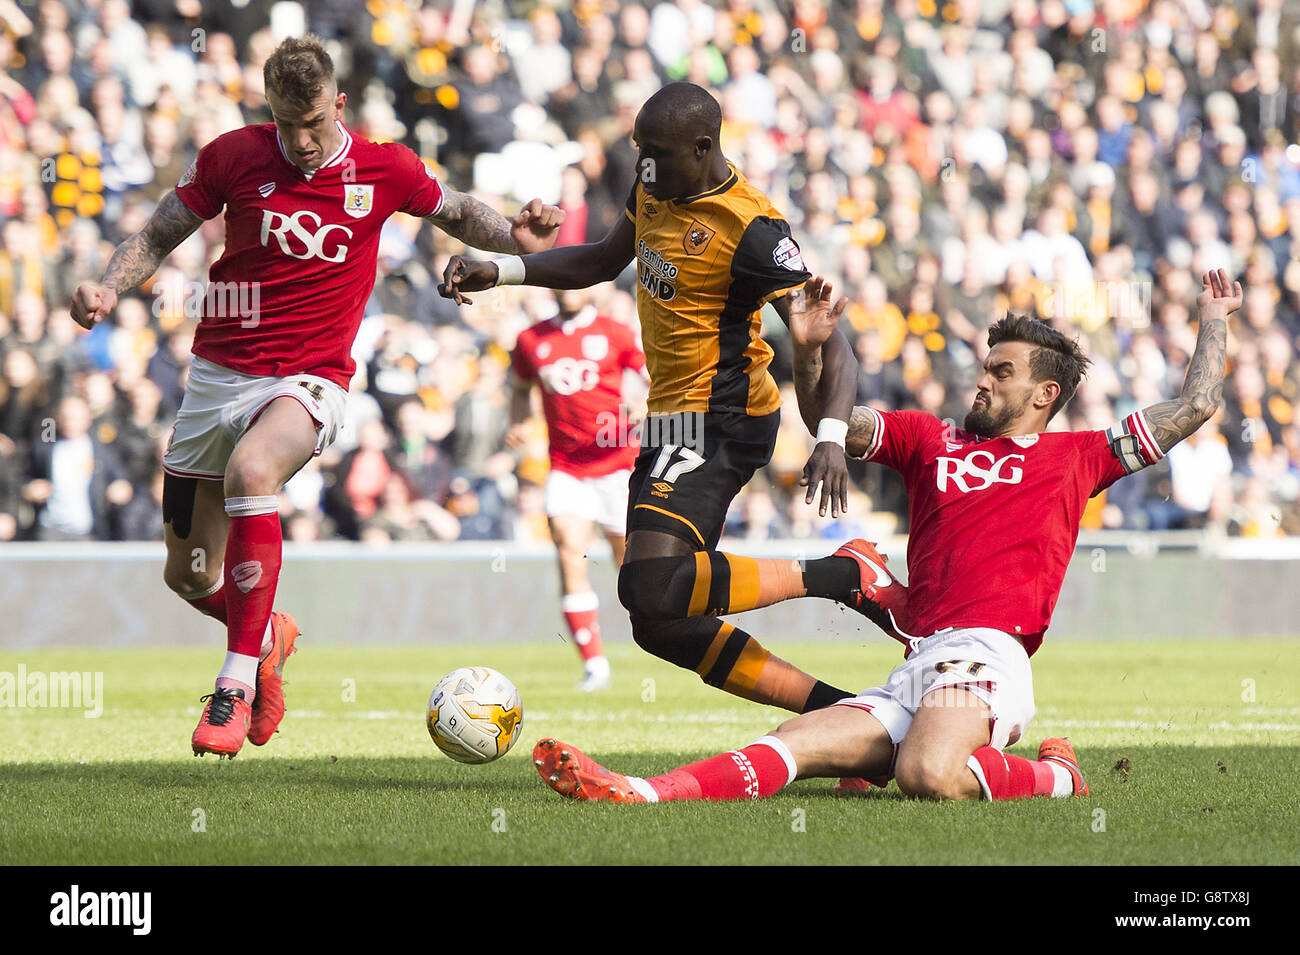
(716,583)
(195,526)
(230,534)
(839,740)
(572,535)
(723,655)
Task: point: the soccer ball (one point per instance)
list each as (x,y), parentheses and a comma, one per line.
(474,715)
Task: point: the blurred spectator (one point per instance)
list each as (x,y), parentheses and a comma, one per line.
(75,480)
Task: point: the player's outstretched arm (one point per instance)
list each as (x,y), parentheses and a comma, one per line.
(574,266)
(478,225)
(826,382)
(825,374)
(813,322)
(1172,421)
(135,260)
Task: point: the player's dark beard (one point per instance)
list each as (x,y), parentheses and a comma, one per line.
(980,421)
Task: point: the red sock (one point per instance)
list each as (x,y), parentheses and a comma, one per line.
(582,611)
(1012,777)
(212,604)
(253,554)
(760,769)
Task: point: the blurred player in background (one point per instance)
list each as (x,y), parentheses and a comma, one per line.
(995,515)
(304,202)
(711,251)
(579,359)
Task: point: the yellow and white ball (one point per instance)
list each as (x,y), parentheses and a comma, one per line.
(475,714)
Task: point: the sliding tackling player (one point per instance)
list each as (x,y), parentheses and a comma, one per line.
(995,514)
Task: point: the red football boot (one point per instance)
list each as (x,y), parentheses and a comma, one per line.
(572,773)
(1059,751)
(223,727)
(268,704)
(879,596)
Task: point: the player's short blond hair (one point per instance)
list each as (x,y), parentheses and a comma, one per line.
(299,70)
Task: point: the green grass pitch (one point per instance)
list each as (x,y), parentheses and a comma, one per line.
(1210,732)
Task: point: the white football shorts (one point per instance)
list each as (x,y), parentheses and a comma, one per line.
(600,499)
(989,663)
(221,404)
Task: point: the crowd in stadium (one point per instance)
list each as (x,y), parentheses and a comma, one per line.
(940,162)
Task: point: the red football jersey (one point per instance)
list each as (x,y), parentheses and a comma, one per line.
(289,291)
(579,365)
(994,520)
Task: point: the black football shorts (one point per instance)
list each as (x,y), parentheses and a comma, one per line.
(691,466)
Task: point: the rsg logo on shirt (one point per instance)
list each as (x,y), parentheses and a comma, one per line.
(311,237)
(981,468)
(567,376)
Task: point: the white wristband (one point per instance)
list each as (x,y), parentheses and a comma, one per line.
(510,270)
(833,430)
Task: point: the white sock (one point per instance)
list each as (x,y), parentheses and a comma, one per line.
(643,788)
(598,666)
(783,751)
(1064,781)
(240,668)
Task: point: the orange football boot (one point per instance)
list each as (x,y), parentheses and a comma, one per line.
(268,704)
(223,727)
(1059,751)
(572,773)
(879,596)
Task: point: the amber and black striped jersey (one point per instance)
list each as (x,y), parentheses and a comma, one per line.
(705,267)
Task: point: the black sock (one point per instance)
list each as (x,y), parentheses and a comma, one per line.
(823,695)
(833,577)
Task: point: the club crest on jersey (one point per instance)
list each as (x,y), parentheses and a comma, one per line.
(595,347)
(357,200)
(787,255)
(697,238)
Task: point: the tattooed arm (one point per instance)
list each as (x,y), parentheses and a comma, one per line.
(862,428)
(135,260)
(479,225)
(1172,421)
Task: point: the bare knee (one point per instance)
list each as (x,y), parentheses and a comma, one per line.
(249,475)
(922,779)
(190,580)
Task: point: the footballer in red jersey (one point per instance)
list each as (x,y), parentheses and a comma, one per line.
(579,360)
(304,202)
(995,512)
